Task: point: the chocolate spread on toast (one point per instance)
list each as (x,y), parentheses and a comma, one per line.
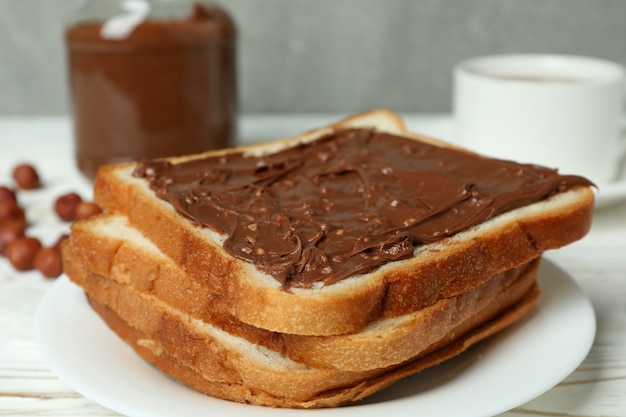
(346,203)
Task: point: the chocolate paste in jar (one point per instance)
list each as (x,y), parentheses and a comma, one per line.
(167,88)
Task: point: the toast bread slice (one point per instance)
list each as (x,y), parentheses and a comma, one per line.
(105,245)
(219,364)
(449,266)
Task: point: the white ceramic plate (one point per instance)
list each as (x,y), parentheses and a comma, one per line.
(499,374)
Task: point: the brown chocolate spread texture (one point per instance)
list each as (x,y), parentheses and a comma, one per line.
(346,203)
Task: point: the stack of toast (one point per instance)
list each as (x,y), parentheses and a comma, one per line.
(248,329)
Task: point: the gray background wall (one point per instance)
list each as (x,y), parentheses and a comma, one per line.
(332,55)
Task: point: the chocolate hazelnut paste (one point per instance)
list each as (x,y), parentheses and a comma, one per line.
(168,88)
(346,203)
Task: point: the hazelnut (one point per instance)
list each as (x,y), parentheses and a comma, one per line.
(9,210)
(85,209)
(21,252)
(10,231)
(7,194)
(26,177)
(65,206)
(59,243)
(49,262)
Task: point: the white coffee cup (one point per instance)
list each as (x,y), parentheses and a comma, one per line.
(564,112)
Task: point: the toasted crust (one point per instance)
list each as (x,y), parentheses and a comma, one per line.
(446,268)
(390,341)
(216,363)
(106,246)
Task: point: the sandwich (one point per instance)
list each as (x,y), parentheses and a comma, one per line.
(317,270)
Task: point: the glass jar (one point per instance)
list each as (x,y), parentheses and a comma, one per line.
(150,78)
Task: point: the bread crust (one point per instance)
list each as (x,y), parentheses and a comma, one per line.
(448,267)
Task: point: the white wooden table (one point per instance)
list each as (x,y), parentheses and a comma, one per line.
(28,388)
